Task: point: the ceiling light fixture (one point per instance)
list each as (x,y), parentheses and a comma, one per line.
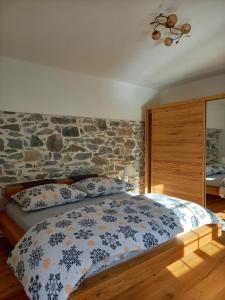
(169,22)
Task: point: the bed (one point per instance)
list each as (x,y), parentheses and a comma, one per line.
(213,184)
(215,173)
(107,282)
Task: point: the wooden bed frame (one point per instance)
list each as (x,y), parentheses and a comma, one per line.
(212,190)
(116,280)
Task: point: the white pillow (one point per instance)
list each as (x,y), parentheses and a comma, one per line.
(216,168)
(97,186)
(47,195)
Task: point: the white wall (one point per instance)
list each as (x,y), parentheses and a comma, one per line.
(28,87)
(205,87)
(216,114)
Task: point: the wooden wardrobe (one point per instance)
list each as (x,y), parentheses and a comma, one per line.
(175,138)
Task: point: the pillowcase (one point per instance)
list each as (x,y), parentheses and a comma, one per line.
(97,186)
(47,195)
(216,168)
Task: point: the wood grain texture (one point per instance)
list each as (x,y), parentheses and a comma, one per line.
(212,190)
(147,151)
(197,276)
(11,230)
(216,204)
(178,151)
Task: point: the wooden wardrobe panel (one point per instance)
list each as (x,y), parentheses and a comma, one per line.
(178,151)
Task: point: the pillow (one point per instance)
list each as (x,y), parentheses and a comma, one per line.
(119,186)
(47,195)
(216,168)
(97,186)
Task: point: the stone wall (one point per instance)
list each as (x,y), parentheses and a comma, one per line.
(35,146)
(213,144)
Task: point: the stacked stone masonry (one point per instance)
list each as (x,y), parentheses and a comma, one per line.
(36,146)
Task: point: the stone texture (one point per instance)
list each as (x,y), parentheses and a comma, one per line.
(98,160)
(56,156)
(12,127)
(130,144)
(35,141)
(62,120)
(55,143)
(14,133)
(105,150)
(74,148)
(1,145)
(16,156)
(81,156)
(90,128)
(15,143)
(7,179)
(11,120)
(92,147)
(213,141)
(96,141)
(45,131)
(124,131)
(31,155)
(101,124)
(43,146)
(33,117)
(70,131)
(50,163)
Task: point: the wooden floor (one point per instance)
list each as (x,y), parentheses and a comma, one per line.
(199,276)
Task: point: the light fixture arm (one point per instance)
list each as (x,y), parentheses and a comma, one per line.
(169,22)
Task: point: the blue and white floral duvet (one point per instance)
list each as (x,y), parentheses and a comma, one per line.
(54,256)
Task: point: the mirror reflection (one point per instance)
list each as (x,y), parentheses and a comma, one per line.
(215,153)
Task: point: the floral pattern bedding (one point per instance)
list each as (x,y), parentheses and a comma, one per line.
(54,256)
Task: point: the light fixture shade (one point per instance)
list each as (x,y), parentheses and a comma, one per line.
(186,28)
(176,32)
(168,41)
(156,35)
(171,20)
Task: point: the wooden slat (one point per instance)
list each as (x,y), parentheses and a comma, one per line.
(12,231)
(147,151)
(178,151)
(212,190)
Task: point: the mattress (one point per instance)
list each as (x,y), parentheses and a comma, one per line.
(27,219)
(214,180)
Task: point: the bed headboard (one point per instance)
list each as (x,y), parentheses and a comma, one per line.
(15,188)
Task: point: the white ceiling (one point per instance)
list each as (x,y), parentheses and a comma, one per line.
(110,38)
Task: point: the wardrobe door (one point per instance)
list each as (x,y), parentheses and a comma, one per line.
(178,151)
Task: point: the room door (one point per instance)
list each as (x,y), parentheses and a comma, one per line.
(177,159)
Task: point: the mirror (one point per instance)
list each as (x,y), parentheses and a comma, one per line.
(215,153)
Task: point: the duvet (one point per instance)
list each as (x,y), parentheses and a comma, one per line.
(54,256)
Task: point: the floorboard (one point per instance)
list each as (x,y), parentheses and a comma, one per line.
(200,275)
